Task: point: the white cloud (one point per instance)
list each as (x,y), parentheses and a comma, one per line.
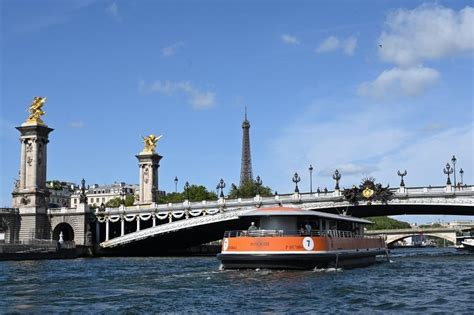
(197,98)
(113,11)
(428,32)
(171,49)
(290,40)
(348,140)
(398,81)
(76,124)
(411,37)
(333,43)
(366,142)
(425,157)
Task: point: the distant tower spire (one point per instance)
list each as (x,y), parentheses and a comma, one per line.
(246,166)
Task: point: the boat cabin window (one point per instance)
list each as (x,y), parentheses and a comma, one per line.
(312,223)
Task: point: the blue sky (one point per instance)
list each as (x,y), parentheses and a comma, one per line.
(368,87)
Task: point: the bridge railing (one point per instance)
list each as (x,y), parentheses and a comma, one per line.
(282,233)
(258,201)
(11,211)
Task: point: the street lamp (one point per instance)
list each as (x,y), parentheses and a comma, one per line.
(448,170)
(258,183)
(402,183)
(176,184)
(186,189)
(296,179)
(454,172)
(461,172)
(82,195)
(310,178)
(336,176)
(122,195)
(221,186)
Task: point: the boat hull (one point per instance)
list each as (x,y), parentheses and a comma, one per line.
(468,246)
(299,261)
(299,252)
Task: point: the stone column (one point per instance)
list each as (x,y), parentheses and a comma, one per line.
(107,229)
(148,164)
(97,232)
(30,195)
(122,227)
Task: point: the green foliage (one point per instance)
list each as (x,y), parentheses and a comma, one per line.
(117,201)
(114,202)
(434,225)
(129,200)
(195,192)
(386,223)
(248,189)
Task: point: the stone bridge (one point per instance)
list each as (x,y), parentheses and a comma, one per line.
(392,236)
(125,225)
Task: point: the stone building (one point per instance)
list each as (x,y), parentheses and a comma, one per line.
(60,193)
(98,194)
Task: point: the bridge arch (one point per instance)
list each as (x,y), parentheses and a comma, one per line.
(66,229)
(451,237)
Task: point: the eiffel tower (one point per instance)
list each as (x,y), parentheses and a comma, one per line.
(246,166)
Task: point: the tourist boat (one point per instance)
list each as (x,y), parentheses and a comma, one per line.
(461,239)
(468,244)
(293,238)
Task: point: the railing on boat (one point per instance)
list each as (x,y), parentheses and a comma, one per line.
(280,233)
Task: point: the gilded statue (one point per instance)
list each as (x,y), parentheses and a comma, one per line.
(36,110)
(150,143)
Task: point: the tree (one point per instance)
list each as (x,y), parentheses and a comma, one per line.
(117,201)
(114,202)
(129,200)
(248,189)
(195,192)
(386,223)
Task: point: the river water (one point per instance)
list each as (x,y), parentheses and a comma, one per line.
(415,281)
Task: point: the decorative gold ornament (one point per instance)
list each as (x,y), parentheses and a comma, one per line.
(150,143)
(367,193)
(36,111)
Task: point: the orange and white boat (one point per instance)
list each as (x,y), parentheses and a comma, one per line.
(292,238)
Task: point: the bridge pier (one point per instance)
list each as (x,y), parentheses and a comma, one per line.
(107,229)
(97,232)
(122,226)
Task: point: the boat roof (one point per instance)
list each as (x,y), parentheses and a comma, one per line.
(288,211)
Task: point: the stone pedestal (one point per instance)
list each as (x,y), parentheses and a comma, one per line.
(148,165)
(30,193)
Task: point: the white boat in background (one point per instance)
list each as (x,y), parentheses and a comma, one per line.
(460,240)
(468,244)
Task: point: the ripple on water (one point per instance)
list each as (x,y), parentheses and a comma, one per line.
(435,280)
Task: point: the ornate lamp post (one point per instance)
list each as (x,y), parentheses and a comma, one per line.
(186,190)
(122,196)
(258,183)
(454,171)
(448,170)
(176,184)
(461,172)
(336,176)
(402,183)
(296,179)
(310,178)
(82,195)
(221,186)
